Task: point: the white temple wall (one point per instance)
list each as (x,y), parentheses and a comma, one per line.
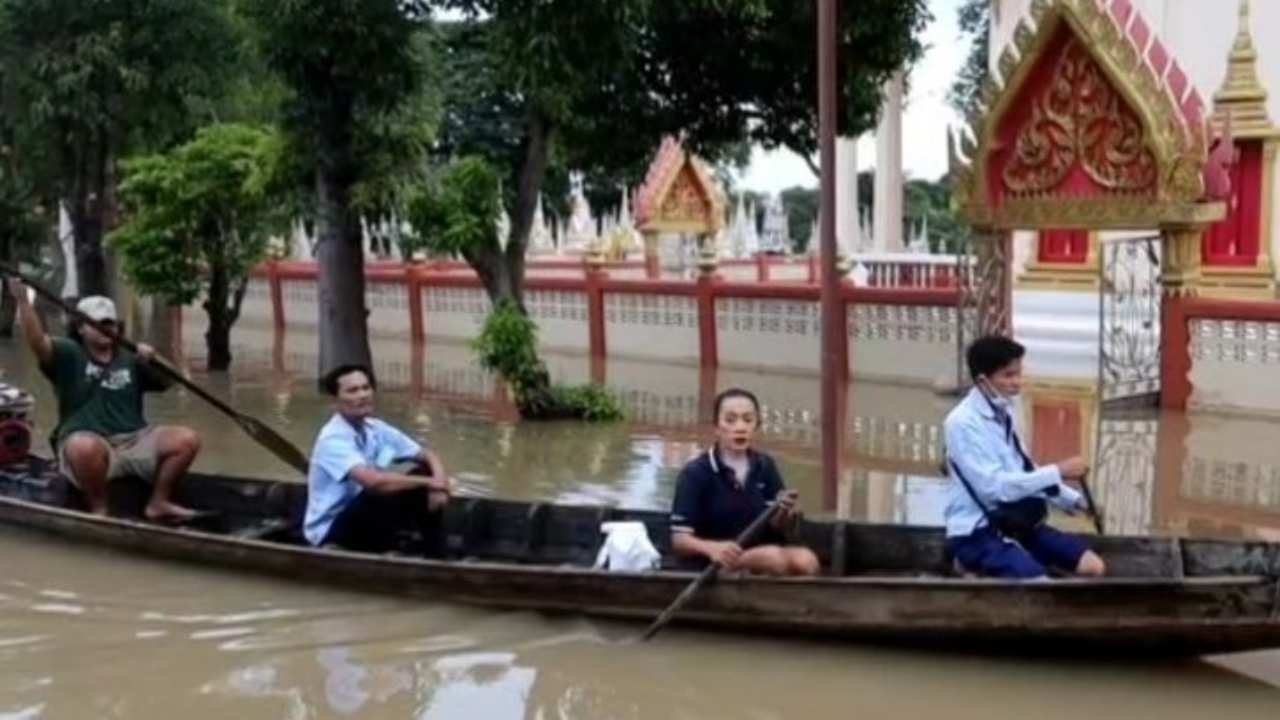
(778,334)
(651,326)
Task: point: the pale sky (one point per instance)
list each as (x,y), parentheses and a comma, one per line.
(924,122)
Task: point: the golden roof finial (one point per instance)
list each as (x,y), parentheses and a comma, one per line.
(1242,93)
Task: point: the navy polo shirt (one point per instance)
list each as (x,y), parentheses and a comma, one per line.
(713,505)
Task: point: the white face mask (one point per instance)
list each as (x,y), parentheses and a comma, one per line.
(995,397)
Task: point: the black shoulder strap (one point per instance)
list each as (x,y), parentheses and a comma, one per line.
(1027,465)
(972,493)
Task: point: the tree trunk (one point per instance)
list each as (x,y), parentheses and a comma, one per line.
(217,337)
(343,321)
(533,172)
(502,273)
(8,314)
(91,262)
(217,340)
(91,195)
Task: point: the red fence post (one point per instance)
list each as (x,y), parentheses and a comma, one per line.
(841,320)
(762,267)
(708,346)
(596,343)
(413,284)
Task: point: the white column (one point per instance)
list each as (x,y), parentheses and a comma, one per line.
(888,185)
(847,194)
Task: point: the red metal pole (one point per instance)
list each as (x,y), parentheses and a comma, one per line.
(828,13)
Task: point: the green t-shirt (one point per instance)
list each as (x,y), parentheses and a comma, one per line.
(102,399)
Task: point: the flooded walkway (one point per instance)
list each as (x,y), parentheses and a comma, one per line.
(85,633)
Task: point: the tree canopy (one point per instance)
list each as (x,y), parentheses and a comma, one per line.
(350,69)
(199,219)
(90,81)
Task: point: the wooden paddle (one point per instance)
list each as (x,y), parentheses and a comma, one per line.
(709,572)
(1088,501)
(274,442)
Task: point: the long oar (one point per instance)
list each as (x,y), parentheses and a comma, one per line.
(273,441)
(709,572)
(1088,501)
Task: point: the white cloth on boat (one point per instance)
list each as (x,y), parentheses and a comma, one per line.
(627,548)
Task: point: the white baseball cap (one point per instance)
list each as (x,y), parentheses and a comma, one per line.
(98,308)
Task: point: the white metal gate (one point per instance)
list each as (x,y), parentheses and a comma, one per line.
(1129,319)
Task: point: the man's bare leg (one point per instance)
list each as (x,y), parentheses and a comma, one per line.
(176,449)
(89,459)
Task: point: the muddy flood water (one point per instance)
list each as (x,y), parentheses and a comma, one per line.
(87,633)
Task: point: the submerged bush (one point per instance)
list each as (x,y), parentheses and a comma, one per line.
(508,345)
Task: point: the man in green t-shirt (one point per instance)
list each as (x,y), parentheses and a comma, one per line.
(102,433)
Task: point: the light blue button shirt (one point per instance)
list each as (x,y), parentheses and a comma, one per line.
(977,442)
(338,450)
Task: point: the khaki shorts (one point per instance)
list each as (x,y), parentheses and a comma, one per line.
(136,454)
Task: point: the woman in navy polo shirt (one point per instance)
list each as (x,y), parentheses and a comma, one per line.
(722,490)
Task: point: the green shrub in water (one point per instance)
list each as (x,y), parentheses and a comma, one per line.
(508,345)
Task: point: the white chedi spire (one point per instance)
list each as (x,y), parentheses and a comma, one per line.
(743,239)
(503,227)
(582,226)
(777,235)
(540,239)
(624,212)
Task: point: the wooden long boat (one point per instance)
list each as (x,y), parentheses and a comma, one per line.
(881,583)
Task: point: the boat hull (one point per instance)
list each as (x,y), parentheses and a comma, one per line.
(1187,616)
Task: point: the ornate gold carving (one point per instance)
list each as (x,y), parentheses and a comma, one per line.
(1176,146)
(1097,213)
(684,201)
(1180,260)
(1039,8)
(1008,63)
(1024,38)
(1080,119)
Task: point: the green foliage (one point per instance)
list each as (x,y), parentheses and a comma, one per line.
(119,72)
(340,60)
(25,221)
(508,345)
(752,71)
(611,78)
(921,199)
(458,213)
(975,23)
(201,211)
(88,82)
(801,205)
(592,402)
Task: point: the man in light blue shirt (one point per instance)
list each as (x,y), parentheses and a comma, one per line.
(354,499)
(997,498)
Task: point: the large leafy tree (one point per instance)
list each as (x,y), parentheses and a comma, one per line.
(350,66)
(199,217)
(534,86)
(595,86)
(91,81)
